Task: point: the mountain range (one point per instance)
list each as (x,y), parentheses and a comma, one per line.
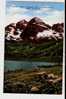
(34,31)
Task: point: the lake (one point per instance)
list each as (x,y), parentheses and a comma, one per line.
(14,65)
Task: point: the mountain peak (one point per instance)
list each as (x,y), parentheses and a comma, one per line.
(36,20)
(21,24)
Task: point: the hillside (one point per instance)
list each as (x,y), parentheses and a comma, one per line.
(34,40)
(50,51)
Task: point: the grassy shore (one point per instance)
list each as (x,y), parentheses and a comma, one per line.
(36,81)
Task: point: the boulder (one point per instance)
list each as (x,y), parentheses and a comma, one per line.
(51,76)
(34,89)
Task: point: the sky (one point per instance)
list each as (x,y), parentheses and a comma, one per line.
(39,0)
(49,12)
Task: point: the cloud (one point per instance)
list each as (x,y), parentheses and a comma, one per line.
(50,15)
(47,14)
(15,14)
(43,10)
(55,17)
(15,18)
(14,10)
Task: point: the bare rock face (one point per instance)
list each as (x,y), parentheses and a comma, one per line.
(58,27)
(9,27)
(11,33)
(35,31)
(34,26)
(21,24)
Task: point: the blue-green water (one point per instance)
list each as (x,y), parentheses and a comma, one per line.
(14,65)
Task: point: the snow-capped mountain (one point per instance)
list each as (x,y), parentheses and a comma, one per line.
(34,30)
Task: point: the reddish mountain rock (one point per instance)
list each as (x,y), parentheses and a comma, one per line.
(11,32)
(21,24)
(58,27)
(35,31)
(9,27)
(34,26)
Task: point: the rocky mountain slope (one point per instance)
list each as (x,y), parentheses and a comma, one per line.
(35,31)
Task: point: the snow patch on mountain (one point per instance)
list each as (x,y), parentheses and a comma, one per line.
(50,34)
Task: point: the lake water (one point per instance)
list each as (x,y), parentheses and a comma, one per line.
(13,65)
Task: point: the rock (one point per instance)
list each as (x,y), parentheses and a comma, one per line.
(13,31)
(34,89)
(50,81)
(58,80)
(9,27)
(35,31)
(41,73)
(21,24)
(34,26)
(51,76)
(58,27)
(46,76)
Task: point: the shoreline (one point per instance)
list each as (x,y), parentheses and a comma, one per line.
(36,81)
(32,60)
